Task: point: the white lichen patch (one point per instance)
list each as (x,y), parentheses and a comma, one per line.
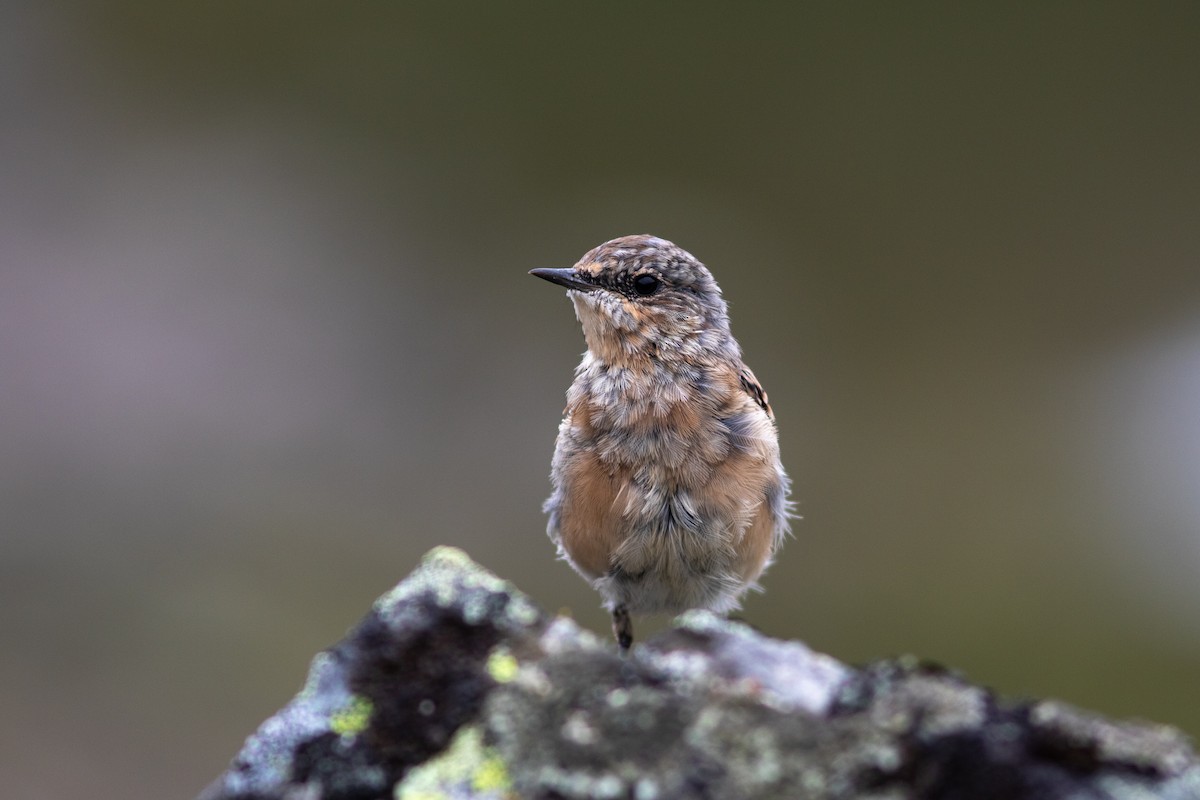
(617,698)
(646,789)
(581,783)
(701,621)
(579,730)
(943,708)
(1145,745)
(311,713)
(533,679)
(564,635)
(752,755)
(787,676)
(453,580)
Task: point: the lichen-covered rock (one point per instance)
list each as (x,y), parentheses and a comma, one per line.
(393,693)
(456,686)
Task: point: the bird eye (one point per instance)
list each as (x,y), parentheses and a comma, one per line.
(645,285)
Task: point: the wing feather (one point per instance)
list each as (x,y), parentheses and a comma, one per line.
(753,388)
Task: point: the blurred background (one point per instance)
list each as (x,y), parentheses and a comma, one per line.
(266,334)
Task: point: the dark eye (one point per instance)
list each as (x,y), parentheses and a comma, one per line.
(645,285)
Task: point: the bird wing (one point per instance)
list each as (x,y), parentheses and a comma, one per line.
(753,388)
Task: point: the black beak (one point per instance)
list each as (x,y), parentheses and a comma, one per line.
(565,277)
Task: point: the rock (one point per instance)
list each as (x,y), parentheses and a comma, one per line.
(457,686)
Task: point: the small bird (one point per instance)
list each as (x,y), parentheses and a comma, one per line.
(668,489)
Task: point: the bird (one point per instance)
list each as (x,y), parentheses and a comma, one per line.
(668,489)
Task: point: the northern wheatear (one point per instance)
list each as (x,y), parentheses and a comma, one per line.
(668,489)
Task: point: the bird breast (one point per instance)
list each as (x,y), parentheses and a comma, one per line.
(675,450)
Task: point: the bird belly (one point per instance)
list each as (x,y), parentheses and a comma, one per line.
(673,560)
(660,550)
(665,505)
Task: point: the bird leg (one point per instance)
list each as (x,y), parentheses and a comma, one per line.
(622,628)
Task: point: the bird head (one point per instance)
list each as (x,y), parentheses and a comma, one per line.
(642,297)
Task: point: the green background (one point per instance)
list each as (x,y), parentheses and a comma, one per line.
(266,334)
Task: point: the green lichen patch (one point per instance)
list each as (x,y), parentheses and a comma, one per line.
(468,767)
(352,718)
(502,665)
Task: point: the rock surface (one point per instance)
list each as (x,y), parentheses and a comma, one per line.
(457,686)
